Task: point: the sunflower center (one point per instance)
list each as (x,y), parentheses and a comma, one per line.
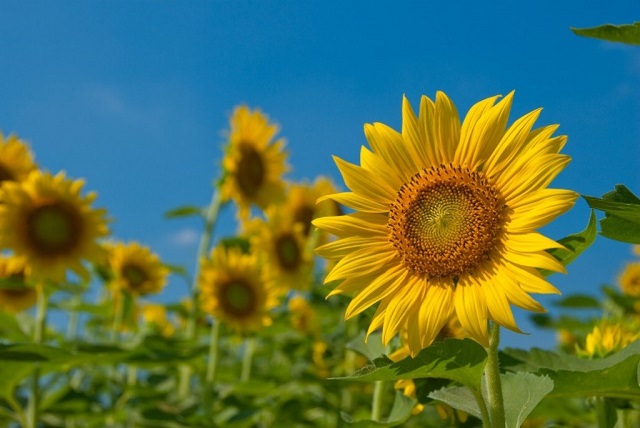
(288,252)
(304,215)
(53,229)
(5,174)
(446,221)
(237,298)
(134,275)
(251,171)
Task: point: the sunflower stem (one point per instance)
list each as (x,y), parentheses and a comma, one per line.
(212,363)
(118,314)
(38,338)
(376,401)
(482,404)
(492,374)
(210,219)
(247,359)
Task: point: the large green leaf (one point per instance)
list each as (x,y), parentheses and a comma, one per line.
(370,347)
(622,214)
(613,376)
(458,397)
(626,33)
(575,244)
(523,392)
(458,360)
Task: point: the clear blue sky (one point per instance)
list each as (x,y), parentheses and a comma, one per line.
(133,95)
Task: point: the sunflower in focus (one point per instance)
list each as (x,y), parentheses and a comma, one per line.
(288,263)
(304,205)
(46,221)
(445,220)
(254,163)
(136,269)
(16,159)
(15,295)
(232,290)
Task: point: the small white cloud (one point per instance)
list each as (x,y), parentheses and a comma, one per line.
(184,237)
(107,98)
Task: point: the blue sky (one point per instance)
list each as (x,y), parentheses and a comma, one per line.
(133,95)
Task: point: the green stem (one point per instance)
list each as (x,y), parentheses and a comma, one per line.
(117,317)
(212,363)
(484,413)
(492,373)
(38,338)
(376,401)
(210,219)
(247,359)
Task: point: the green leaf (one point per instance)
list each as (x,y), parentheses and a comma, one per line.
(523,391)
(400,412)
(612,376)
(578,301)
(575,244)
(458,397)
(622,214)
(458,360)
(184,211)
(370,348)
(626,33)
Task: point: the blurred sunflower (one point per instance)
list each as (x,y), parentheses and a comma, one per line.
(232,290)
(288,263)
(303,204)
(136,269)
(47,222)
(155,318)
(608,337)
(446,218)
(630,279)
(16,159)
(15,295)
(253,163)
(303,317)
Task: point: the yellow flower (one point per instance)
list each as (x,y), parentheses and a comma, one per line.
(253,164)
(136,269)
(303,317)
(156,316)
(607,338)
(630,279)
(46,221)
(318,357)
(287,263)
(15,295)
(446,218)
(304,205)
(232,290)
(16,159)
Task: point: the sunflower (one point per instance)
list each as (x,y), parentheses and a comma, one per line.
(16,159)
(253,164)
(608,337)
(232,290)
(630,279)
(287,262)
(46,221)
(15,294)
(136,269)
(303,317)
(304,205)
(445,220)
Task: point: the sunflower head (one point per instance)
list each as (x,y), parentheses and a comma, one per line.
(15,294)
(45,220)
(288,263)
(608,337)
(136,269)
(444,219)
(630,279)
(306,202)
(233,290)
(303,316)
(155,317)
(253,162)
(16,159)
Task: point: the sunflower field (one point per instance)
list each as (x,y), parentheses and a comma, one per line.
(377,306)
